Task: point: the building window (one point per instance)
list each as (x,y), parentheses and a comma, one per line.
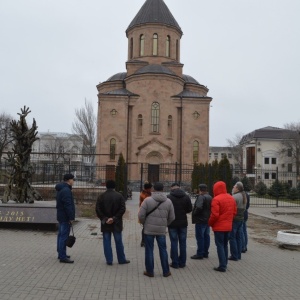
(216,155)
(112,149)
(131,48)
(155,43)
(155,117)
(229,155)
(273,175)
(195,151)
(290,167)
(273,160)
(209,155)
(168,42)
(267,160)
(170,124)
(177,50)
(267,175)
(289,152)
(140,125)
(142,45)
(223,155)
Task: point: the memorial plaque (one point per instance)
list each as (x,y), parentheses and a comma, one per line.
(41,213)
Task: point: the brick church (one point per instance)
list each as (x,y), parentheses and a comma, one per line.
(153,113)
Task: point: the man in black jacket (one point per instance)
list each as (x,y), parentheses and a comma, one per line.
(110,208)
(178,228)
(200,216)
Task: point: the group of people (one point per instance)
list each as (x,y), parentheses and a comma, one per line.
(159,212)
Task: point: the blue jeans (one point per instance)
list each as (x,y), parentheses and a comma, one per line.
(62,236)
(178,235)
(119,246)
(149,256)
(244,236)
(221,241)
(202,232)
(235,240)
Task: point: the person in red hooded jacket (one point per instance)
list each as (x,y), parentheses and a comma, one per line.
(223,210)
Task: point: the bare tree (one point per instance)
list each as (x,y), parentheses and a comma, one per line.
(57,148)
(5,132)
(85,126)
(237,149)
(291,144)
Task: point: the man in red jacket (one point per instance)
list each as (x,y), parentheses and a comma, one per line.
(223,209)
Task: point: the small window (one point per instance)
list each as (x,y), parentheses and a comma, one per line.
(155,117)
(289,152)
(274,161)
(229,155)
(216,155)
(168,46)
(131,48)
(267,160)
(195,151)
(112,149)
(290,167)
(142,45)
(155,43)
(267,176)
(274,176)
(170,125)
(140,125)
(209,154)
(222,155)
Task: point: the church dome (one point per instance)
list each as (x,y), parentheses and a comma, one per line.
(189,79)
(118,76)
(154,11)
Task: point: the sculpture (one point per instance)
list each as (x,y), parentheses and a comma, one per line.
(18,187)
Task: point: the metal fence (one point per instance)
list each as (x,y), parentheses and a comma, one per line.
(91,178)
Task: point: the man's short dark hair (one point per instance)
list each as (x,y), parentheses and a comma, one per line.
(202,187)
(110,184)
(147,185)
(175,184)
(158,186)
(68,177)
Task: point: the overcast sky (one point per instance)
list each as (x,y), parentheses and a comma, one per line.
(53,53)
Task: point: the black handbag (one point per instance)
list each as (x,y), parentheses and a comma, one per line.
(71,239)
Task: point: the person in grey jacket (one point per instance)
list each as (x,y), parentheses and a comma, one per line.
(156,213)
(235,239)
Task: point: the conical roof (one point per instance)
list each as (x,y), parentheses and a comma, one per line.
(154,11)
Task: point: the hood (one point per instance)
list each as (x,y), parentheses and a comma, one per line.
(159,196)
(62,185)
(179,193)
(219,188)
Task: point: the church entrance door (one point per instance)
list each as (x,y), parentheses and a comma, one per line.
(153,173)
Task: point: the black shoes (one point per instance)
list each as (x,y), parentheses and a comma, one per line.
(124,262)
(109,264)
(167,275)
(231,258)
(66,261)
(196,257)
(172,266)
(148,274)
(244,250)
(218,269)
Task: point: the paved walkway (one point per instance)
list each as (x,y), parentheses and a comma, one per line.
(30,269)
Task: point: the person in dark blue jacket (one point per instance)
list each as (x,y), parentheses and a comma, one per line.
(65,215)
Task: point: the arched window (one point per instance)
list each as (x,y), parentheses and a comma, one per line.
(177,50)
(168,40)
(131,48)
(155,117)
(140,125)
(112,149)
(170,126)
(155,43)
(142,45)
(195,151)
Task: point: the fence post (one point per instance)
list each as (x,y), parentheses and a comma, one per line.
(277,186)
(176,171)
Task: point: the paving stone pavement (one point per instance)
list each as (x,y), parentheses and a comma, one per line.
(30,269)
